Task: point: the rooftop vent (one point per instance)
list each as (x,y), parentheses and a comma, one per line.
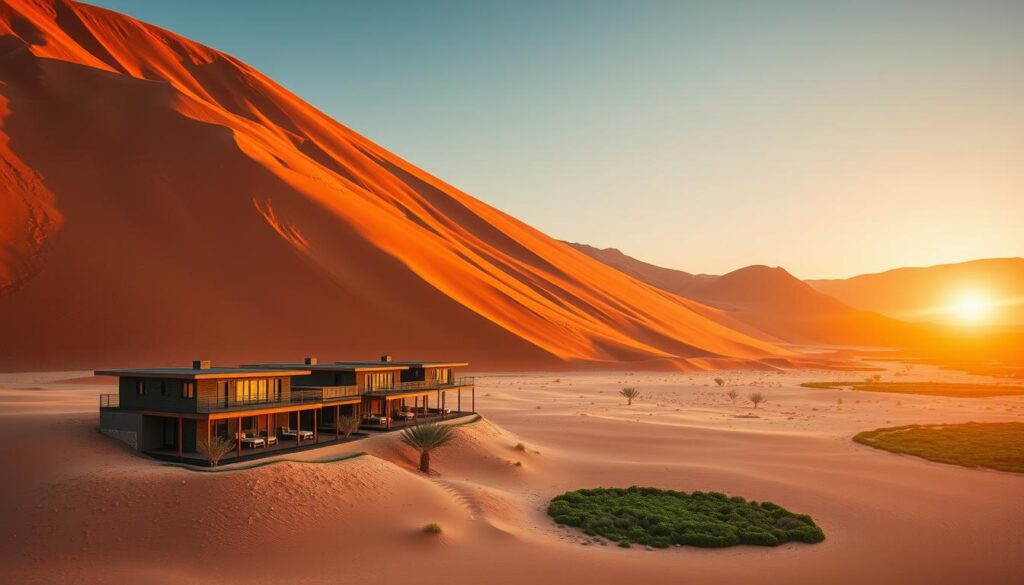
(311,361)
(200,364)
(385,358)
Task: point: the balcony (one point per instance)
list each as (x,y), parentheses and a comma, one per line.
(300,395)
(330,393)
(403,387)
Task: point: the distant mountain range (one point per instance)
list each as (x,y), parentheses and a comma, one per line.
(770,300)
(771,303)
(924,294)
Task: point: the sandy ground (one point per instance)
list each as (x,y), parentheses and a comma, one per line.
(80,508)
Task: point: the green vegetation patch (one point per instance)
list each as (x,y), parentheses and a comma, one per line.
(991,445)
(661,518)
(926,388)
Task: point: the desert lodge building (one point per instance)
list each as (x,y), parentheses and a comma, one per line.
(267,407)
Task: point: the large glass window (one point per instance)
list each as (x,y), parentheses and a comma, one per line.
(380,380)
(257,390)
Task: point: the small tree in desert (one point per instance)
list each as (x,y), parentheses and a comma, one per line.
(757,398)
(425,438)
(630,394)
(733,395)
(214,448)
(720,382)
(348,425)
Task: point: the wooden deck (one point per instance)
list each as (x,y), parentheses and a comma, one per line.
(325,437)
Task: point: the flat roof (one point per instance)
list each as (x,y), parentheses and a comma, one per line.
(335,367)
(195,374)
(409,364)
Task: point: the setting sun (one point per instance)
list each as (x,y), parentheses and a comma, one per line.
(972,308)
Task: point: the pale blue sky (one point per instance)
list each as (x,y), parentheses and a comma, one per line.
(829,138)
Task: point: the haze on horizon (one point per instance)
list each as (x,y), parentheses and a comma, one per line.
(831,140)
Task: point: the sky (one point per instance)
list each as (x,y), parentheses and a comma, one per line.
(830,138)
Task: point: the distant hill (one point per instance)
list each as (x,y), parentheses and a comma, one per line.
(769,299)
(922,294)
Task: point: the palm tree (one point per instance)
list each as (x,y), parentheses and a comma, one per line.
(425,438)
(630,394)
(348,425)
(214,448)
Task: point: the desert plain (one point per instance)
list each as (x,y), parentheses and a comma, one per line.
(82,508)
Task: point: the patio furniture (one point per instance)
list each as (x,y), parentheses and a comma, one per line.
(376,419)
(404,414)
(271,440)
(444,410)
(290,433)
(252,442)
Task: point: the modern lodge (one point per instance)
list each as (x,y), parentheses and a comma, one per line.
(268,407)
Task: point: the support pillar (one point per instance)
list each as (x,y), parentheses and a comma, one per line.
(298,427)
(473,394)
(316,427)
(180,436)
(337,423)
(238,437)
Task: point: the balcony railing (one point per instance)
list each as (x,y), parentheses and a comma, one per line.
(304,395)
(328,393)
(421,385)
(217,404)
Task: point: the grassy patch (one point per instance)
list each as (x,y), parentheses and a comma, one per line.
(662,518)
(992,445)
(926,388)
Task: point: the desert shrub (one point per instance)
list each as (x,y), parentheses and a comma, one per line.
(348,425)
(733,395)
(720,382)
(432,528)
(756,398)
(214,449)
(661,518)
(630,394)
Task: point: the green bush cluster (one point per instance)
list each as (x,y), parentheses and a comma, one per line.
(662,518)
(998,445)
(952,390)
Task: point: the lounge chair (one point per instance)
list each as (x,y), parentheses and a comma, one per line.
(252,442)
(376,419)
(404,414)
(290,433)
(271,440)
(444,410)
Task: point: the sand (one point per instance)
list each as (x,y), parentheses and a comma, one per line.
(83,509)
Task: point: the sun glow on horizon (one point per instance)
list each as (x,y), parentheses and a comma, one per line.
(972,308)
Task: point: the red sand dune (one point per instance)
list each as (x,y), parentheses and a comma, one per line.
(163,200)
